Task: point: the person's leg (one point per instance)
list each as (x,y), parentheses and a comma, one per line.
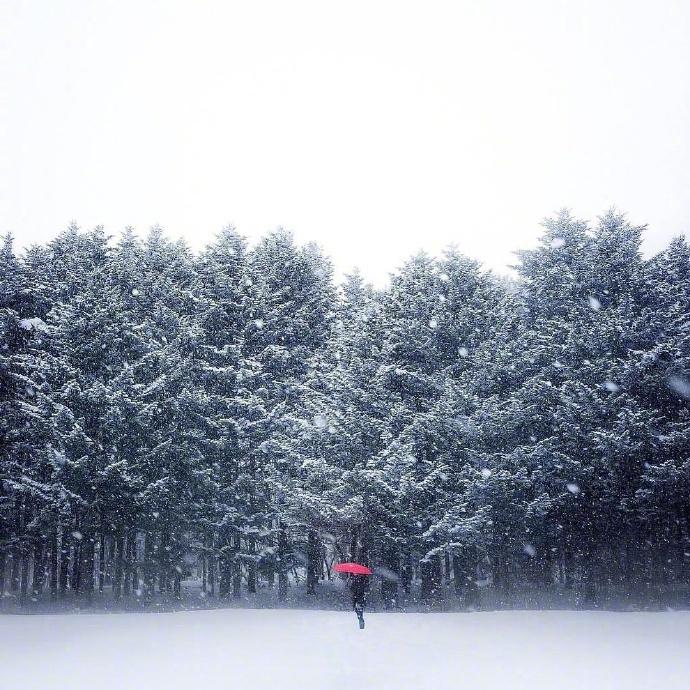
(359,610)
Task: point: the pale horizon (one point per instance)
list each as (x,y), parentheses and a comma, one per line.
(375,131)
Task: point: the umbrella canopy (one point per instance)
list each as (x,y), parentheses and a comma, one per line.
(353,568)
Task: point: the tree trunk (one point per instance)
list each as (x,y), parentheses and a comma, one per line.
(24,582)
(25,552)
(3,562)
(39,569)
(54,564)
(75,580)
(63,579)
(446,568)
(212,567)
(464,573)
(283,563)
(271,569)
(204,568)
(313,561)
(164,563)
(15,572)
(406,576)
(88,556)
(119,562)
(101,563)
(251,567)
(225,574)
(212,575)
(149,564)
(236,568)
(431,578)
(133,574)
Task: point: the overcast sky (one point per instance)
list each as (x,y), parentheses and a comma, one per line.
(373,128)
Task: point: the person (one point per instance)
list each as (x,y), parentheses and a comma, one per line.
(358,588)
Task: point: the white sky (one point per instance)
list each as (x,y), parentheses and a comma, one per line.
(373,128)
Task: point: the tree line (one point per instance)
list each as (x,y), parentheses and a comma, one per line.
(237,414)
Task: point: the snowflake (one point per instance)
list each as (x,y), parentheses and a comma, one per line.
(34,324)
(680,385)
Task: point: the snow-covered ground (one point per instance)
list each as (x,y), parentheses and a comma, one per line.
(317,650)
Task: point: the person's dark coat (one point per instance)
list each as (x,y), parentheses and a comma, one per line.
(358,589)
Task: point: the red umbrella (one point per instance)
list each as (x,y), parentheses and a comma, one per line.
(353,568)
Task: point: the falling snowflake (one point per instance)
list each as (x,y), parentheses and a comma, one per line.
(387,574)
(680,385)
(34,324)
(259,323)
(77,535)
(433,323)
(135,292)
(594,303)
(155,513)
(486,473)
(573,488)
(320,421)
(529,550)
(444,277)
(463,351)
(557,243)
(611,386)
(533,439)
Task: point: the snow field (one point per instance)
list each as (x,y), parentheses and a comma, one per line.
(316,650)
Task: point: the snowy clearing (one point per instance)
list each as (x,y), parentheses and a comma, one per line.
(316,650)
